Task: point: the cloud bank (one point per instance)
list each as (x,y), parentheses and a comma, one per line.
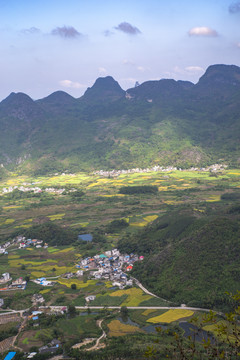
(67,32)
(128,28)
(71,84)
(194,69)
(202,31)
(32,30)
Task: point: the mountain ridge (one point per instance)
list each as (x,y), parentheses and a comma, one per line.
(164,122)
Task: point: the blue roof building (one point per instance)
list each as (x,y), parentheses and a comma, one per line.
(10,355)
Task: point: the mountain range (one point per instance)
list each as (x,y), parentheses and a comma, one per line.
(163,122)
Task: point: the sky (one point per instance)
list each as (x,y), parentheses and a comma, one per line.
(50,45)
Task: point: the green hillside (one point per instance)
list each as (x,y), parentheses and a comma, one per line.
(190,258)
(163,122)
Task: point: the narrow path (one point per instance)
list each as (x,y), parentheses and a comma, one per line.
(144,289)
(98,345)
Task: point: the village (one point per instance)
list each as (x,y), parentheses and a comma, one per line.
(157,168)
(108,266)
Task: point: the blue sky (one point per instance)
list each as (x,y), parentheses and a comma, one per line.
(66,44)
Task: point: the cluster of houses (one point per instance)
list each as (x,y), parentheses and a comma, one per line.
(111,266)
(24,243)
(157,168)
(34,189)
(44,282)
(18,284)
(3,248)
(37,299)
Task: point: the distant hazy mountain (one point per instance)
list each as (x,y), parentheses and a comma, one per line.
(158,122)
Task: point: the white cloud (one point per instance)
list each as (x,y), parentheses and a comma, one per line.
(194,69)
(141,68)
(71,84)
(238,44)
(131,80)
(202,31)
(102,71)
(178,70)
(128,62)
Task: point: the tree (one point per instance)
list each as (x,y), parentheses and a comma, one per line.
(72,310)
(73,286)
(226,344)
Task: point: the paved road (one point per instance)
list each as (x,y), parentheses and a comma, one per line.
(144,289)
(58,308)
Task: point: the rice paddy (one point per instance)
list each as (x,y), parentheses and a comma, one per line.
(117,328)
(135,296)
(170,316)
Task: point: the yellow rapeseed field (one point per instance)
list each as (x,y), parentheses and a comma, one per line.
(135,296)
(66,250)
(45,291)
(170,316)
(214,198)
(150,218)
(143,223)
(37,274)
(8,221)
(56,217)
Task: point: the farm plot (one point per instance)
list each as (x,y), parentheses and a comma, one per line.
(170,316)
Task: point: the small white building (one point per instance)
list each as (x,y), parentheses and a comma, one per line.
(5,278)
(90,298)
(115,252)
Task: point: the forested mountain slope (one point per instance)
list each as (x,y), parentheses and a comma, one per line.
(159,122)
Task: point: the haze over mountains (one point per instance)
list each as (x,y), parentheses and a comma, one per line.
(163,122)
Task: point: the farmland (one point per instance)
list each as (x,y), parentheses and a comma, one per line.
(144,222)
(102,203)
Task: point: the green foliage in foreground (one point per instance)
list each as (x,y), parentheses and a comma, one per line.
(224,345)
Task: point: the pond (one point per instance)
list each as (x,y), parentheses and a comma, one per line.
(200,335)
(85,237)
(127,321)
(152,328)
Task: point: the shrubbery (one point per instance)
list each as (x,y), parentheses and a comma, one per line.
(140,189)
